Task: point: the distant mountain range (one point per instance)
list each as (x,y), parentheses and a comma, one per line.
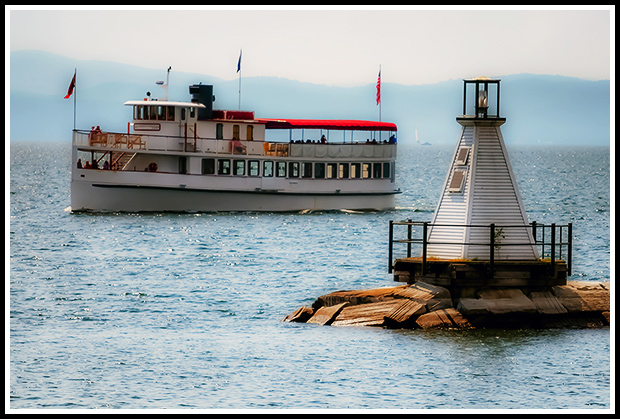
(539,109)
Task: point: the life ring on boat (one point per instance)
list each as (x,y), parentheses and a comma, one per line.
(152,167)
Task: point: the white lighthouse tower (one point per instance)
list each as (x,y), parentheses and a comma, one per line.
(480,197)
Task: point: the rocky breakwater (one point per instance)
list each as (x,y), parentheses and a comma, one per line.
(423,305)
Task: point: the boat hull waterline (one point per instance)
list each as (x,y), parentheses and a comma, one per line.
(100,197)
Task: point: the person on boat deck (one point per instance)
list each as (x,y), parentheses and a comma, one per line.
(106,165)
(92,131)
(323,139)
(94,165)
(237,146)
(79,163)
(87,165)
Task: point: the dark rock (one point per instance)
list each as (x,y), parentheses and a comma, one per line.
(369,314)
(358,296)
(547,303)
(301,315)
(326,315)
(423,305)
(578,298)
(505,301)
(405,314)
(444,318)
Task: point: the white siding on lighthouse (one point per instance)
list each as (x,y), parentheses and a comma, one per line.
(452,208)
(488,195)
(495,199)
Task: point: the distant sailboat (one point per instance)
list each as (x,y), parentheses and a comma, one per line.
(418,141)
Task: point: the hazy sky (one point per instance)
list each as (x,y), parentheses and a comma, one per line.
(334,46)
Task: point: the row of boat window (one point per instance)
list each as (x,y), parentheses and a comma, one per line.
(268,168)
(155,112)
(166,113)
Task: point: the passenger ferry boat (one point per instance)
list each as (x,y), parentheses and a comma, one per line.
(190,157)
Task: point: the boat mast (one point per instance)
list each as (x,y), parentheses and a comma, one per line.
(239,71)
(165,86)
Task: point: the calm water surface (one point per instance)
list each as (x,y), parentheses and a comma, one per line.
(183,311)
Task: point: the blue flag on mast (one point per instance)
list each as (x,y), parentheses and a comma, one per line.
(239,63)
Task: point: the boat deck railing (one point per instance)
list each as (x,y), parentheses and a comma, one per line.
(125,141)
(554,241)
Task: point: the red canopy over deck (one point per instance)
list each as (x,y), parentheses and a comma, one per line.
(336,124)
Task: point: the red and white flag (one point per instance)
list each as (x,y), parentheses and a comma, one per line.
(71,87)
(379,87)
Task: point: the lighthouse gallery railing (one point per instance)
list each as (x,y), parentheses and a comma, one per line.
(554,240)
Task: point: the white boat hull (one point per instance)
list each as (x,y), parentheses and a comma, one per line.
(102,197)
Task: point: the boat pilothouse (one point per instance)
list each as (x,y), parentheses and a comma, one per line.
(188,156)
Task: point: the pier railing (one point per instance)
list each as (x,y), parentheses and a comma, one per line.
(554,241)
